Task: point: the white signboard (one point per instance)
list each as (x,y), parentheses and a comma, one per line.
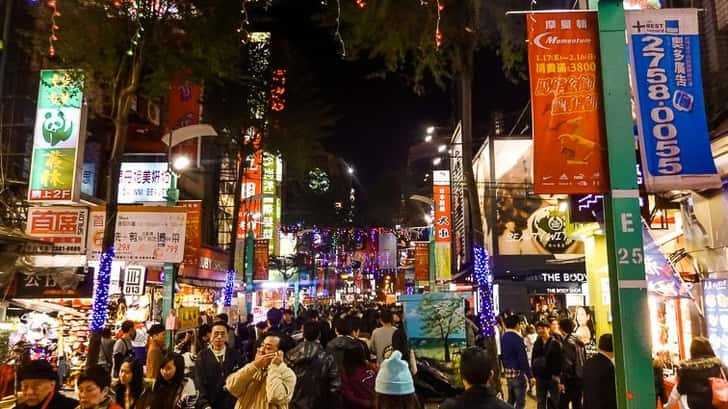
(135,277)
(148,235)
(63,226)
(144,182)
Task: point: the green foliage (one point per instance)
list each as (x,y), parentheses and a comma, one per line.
(441,317)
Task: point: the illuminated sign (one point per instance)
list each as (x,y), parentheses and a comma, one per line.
(144,182)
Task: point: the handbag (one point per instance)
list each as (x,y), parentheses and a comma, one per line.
(719,387)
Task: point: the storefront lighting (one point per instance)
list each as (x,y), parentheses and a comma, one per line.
(101,292)
(272,285)
(436,161)
(428,138)
(563,206)
(442,148)
(430,130)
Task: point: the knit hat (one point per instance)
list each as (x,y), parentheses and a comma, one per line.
(394,377)
(39,369)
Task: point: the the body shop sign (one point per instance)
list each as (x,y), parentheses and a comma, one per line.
(57,138)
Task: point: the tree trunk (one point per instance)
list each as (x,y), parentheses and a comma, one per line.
(447,349)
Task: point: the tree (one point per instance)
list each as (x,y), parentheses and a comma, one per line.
(440,318)
(131,48)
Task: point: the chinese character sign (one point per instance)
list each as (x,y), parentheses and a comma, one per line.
(144,182)
(65,227)
(668,88)
(422,260)
(568,127)
(442,223)
(59,130)
(135,278)
(143,234)
(260,260)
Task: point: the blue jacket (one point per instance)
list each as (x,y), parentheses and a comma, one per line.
(513,353)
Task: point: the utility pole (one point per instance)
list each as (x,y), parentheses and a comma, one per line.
(634,376)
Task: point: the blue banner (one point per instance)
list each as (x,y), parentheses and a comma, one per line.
(668,94)
(715,293)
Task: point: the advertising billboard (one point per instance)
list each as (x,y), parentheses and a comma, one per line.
(141,182)
(64,226)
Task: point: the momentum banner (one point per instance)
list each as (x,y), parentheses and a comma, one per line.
(568,127)
(668,87)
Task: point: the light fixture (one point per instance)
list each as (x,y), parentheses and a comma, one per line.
(441,148)
(430,130)
(563,206)
(181,163)
(428,138)
(436,161)
(350,170)
(428,218)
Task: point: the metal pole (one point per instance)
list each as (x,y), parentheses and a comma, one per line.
(170,273)
(634,376)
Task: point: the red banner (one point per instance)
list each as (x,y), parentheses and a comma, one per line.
(260,260)
(422,261)
(184,109)
(250,199)
(193,232)
(566,97)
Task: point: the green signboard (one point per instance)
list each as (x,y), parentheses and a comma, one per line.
(57,137)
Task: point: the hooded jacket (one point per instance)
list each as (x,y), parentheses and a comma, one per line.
(693,380)
(318,384)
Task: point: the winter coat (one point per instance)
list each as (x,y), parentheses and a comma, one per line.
(269,388)
(477,397)
(58,401)
(546,360)
(318,384)
(573,357)
(338,345)
(693,380)
(358,388)
(210,378)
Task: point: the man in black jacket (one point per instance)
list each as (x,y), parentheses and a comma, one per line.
(212,367)
(476,371)
(38,384)
(318,384)
(599,389)
(275,316)
(546,365)
(573,356)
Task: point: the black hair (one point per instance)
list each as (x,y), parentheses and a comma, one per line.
(605,343)
(343,326)
(204,330)
(311,331)
(401,344)
(475,367)
(222,317)
(96,374)
(566,325)
(127,326)
(512,321)
(354,357)
(136,386)
(106,332)
(219,323)
(274,317)
(700,348)
(386,316)
(164,393)
(543,324)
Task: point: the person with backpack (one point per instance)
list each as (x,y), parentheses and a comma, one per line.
(123,347)
(572,367)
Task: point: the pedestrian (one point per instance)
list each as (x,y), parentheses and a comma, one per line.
(155,350)
(529,339)
(130,387)
(93,389)
(357,379)
(38,382)
(232,341)
(106,350)
(573,357)
(288,324)
(265,383)
(394,386)
(600,391)
(556,328)
(123,346)
(693,390)
(401,343)
(476,372)
(172,390)
(546,366)
(318,384)
(203,337)
(213,365)
(344,339)
(382,336)
(274,318)
(515,362)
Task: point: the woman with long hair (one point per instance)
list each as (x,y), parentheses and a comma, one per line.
(357,379)
(171,389)
(401,343)
(693,377)
(394,385)
(131,383)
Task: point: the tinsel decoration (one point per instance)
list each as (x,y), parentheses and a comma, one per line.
(53,4)
(101,291)
(229,287)
(484,282)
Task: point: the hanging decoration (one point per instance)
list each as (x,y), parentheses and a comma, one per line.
(228,290)
(53,4)
(484,282)
(101,291)
(338,28)
(438,33)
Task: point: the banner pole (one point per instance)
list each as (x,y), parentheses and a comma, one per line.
(625,253)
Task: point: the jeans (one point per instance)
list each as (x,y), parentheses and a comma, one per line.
(572,395)
(517,391)
(547,393)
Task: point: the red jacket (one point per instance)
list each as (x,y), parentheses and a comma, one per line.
(358,388)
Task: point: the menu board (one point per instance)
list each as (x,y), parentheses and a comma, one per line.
(716,313)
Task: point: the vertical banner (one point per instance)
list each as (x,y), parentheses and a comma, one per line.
(57,138)
(443,223)
(422,261)
(260,260)
(185,109)
(716,313)
(568,128)
(668,87)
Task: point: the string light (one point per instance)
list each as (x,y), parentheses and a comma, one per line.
(228,290)
(484,282)
(438,33)
(244,23)
(101,291)
(361,4)
(338,27)
(53,4)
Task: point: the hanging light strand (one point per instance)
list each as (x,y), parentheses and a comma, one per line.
(53,4)
(484,282)
(244,23)
(338,27)
(438,33)
(101,291)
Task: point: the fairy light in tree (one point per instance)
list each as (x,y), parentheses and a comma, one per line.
(484,282)
(438,33)
(277,94)
(361,4)
(101,291)
(244,23)
(53,4)
(338,27)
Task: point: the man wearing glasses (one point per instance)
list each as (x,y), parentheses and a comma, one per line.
(265,383)
(213,366)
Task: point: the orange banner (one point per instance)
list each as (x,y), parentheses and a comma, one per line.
(260,260)
(184,109)
(250,197)
(568,126)
(193,232)
(422,261)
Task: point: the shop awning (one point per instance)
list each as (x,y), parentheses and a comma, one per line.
(46,307)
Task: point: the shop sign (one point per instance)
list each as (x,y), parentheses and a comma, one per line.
(65,227)
(193,234)
(184,109)
(668,86)
(716,314)
(250,206)
(135,278)
(188,317)
(260,260)
(76,284)
(422,261)
(141,182)
(57,138)
(563,277)
(568,126)
(150,235)
(270,209)
(441,197)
